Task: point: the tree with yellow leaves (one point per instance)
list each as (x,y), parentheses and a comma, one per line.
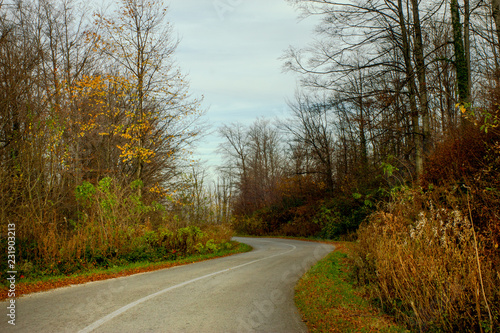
(138,40)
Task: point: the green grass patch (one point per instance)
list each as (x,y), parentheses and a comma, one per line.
(329,301)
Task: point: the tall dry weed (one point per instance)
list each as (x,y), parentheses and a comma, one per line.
(418,258)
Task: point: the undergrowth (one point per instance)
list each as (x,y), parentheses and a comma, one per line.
(423,261)
(430,255)
(113,225)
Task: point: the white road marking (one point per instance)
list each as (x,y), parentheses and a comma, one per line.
(129,306)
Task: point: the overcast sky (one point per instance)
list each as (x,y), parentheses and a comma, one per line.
(230,51)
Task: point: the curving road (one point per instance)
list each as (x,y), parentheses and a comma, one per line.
(248,292)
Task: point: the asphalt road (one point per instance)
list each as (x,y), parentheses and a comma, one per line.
(248,292)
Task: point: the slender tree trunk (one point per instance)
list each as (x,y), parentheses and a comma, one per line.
(495,4)
(421,75)
(362,135)
(140,104)
(412,91)
(460,57)
(495,11)
(467,48)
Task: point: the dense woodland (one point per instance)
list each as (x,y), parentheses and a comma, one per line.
(392,140)
(96,132)
(383,86)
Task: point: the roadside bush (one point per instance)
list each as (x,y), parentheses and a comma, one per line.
(114,225)
(300,222)
(330,222)
(79,252)
(470,163)
(423,262)
(339,218)
(248,225)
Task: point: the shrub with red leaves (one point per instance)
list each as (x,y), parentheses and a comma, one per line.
(468,164)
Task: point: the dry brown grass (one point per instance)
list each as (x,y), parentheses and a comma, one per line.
(423,263)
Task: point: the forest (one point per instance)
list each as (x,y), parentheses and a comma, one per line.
(392,141)
(96,136)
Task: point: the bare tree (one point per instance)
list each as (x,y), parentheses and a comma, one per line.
(254,158)
(311,125)
(381,31)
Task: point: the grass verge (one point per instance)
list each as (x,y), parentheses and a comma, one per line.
(29,286)
(329,302)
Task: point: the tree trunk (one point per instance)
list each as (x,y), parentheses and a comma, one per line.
(362,136)
(412,91)
(460,57)
(421,75)
(467,48)
(495,4)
